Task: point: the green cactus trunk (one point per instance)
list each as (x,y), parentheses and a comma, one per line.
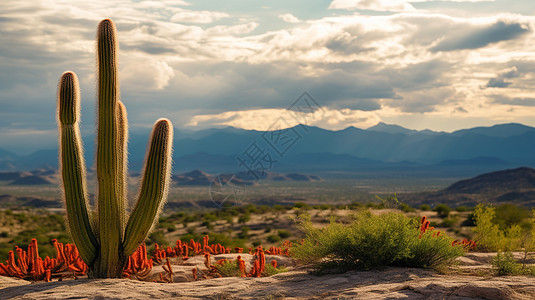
(101,238)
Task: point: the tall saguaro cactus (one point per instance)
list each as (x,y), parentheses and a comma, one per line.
(106,237)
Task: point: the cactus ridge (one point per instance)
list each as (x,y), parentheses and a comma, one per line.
(106,237)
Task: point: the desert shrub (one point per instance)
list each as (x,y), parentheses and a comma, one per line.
(284,234)
(373,241)
(425,207)
(406,208)
(271,270)
(462,208)
(228,268)
(489,236)
(273,238)
(505,264)
(509,214)
(244,233)
(442,210)
(301,205)
(244,218)
(431,250)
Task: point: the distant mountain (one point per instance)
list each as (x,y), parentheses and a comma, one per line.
(396,129)
(32,180)
(499,131)
(380,149)
(198,177)
(511,185)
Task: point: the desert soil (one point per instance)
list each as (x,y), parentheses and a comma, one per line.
(469,280)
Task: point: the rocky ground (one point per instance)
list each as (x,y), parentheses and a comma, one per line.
(471,279)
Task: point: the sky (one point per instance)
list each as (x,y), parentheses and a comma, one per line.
(421,64)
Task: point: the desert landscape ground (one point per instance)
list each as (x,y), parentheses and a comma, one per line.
(265,216)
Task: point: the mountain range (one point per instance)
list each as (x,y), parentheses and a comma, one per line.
(382,150)
(505,186)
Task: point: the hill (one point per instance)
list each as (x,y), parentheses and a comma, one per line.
(506,186)
(381,150)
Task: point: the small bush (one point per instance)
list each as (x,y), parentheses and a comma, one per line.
(270,270)
(462,208)
(489,236)
(373,241)
(284,234)
(442,210)
(425,207)
(228,268)
(273,238)
(505,264)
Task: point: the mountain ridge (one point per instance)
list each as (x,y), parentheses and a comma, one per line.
(384,147)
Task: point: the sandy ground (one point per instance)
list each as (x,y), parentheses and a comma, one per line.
(390,283)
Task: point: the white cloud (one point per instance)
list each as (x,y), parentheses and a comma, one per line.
(198,17)
(375,5)
(264,119)
(141,72)
(289,18)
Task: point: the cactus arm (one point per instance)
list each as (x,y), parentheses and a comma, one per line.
(154,186)
(110,203)
(122,153)
(72,168)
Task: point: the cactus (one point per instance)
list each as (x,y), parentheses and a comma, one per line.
(106,237)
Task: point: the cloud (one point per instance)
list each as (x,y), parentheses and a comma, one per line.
(375,5)
(264,119)
(423,100)
(289,18)
(481,37)
(516,101)
(500,80)
(198,17)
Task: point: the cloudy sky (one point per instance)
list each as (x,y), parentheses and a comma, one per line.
(441,65)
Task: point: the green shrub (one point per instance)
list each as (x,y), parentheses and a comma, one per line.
(489,236)
(273,238)
(269,270)
(284,234)
(432,251)
(406,208)
(425,207)
(505,264)
(462,208)
(509,214)
(228,268)
(373,241)
(442,210)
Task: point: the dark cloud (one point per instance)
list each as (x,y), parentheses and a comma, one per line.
(499,99)
(479,38)
(500,80)
(498,83)
(240,86)
(424,75)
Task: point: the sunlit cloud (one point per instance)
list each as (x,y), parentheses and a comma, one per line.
(264,119)
(289,18)
(377,5)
